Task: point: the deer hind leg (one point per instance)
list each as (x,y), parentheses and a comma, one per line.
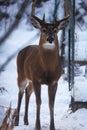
(52,92)
(28,93)
(22,84)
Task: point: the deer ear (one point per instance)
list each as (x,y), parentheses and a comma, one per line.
(35,23)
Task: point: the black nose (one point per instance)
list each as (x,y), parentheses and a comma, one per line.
(50,39)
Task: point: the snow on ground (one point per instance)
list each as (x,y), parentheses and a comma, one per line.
(64,119)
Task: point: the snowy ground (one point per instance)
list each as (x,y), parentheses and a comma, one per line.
(64,119)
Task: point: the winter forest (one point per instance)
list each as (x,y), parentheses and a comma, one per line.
(17,31)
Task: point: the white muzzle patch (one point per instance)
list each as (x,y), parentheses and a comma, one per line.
(49,46)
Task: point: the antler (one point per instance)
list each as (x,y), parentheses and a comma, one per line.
(35,17)
(66,17)
(42,22)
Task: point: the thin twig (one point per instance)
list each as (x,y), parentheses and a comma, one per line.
(5,107)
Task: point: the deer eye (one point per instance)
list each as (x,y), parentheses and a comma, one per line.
(44,30)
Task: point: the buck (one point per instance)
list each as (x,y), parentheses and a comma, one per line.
(40,64)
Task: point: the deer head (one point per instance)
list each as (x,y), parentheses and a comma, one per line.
(48,30)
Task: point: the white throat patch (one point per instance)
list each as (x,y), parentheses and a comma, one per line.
(49,46)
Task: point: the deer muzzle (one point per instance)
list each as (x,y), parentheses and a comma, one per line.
(50,39)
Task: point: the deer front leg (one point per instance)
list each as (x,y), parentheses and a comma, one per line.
(28,93)
(20,95)
(37,90)
(26,107)
(51,92)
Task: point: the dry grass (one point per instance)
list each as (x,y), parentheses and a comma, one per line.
(9,120)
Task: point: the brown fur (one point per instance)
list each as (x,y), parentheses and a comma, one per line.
(40,65)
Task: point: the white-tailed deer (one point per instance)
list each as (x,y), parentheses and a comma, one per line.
(40,64)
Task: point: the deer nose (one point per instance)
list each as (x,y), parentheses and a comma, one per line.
(50,39)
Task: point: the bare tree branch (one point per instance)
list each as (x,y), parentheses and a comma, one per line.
(6,2)
(57,2)
(16,22)
(15,53)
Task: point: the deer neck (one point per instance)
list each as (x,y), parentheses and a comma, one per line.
(49,57)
